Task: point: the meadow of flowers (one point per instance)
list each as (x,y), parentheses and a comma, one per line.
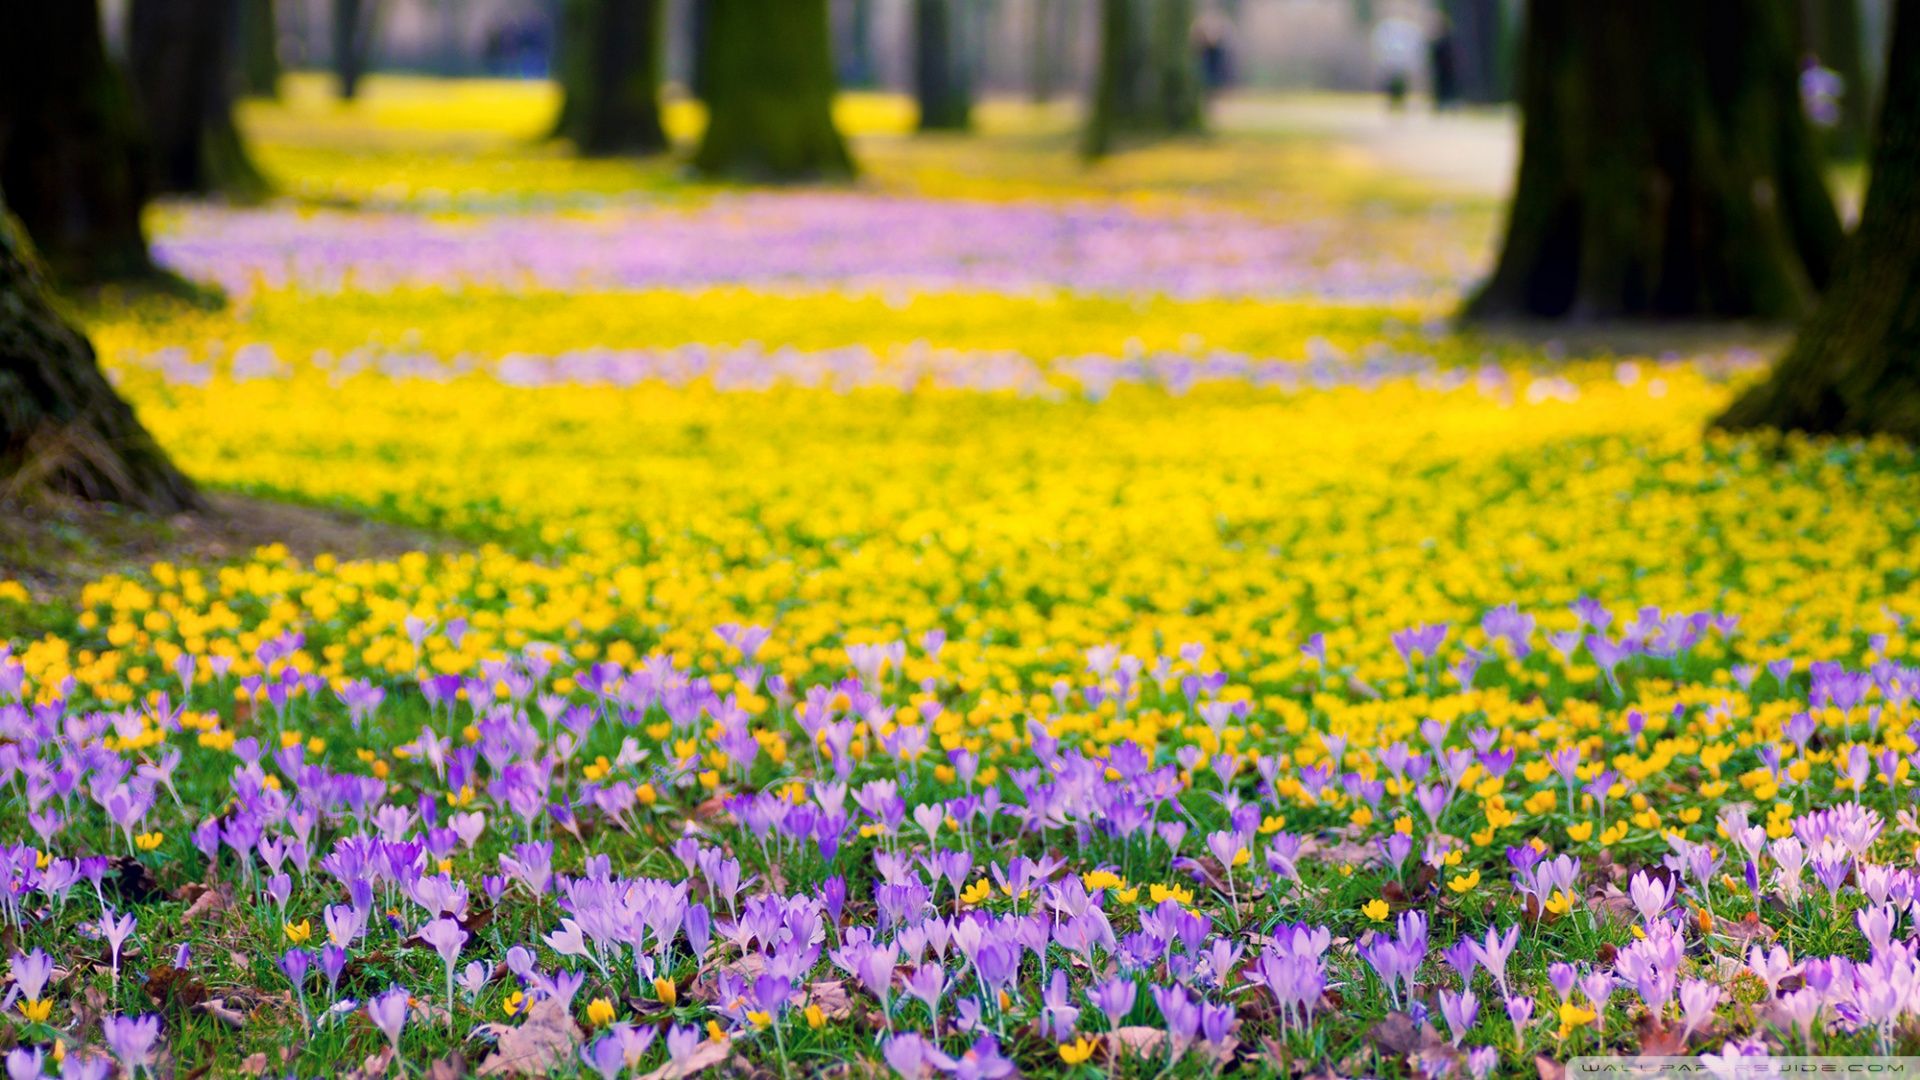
(1050,635)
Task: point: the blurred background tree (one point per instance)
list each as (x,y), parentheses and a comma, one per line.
(1855,367)
(181,57)
(610,70)
(1666,169)
(770,84)
(1148,81)
(71,159)
(942,75)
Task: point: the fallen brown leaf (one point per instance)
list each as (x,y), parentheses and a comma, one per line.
(705,1056)
(541,1043)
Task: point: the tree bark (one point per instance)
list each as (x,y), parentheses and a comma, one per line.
(69,148)
(941,71)
(1666,168)
(181,54)
(1831,31)
(1149,79)
(1855,368)
(1482,48)
(611,74)
(353,23)
(769,69)
(260,67)
(1043,63)
(62,426)
(856,67)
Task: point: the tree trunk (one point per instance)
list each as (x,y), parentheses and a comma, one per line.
(1482,48)
(62,426)
(940,72)
(259,49)
(69,148)
(1043,61)
(1855,368)
(353,22)
(699,22)
(1149,79)
(1666,168)
(770,92)
(1831,32)
(611,76)
(181,55)
(856,67)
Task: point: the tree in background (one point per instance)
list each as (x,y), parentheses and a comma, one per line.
(353,28)
(1045,37)
(769,92)
(1831,33)
(62,426)
(1482,44)
(1855,368)
(1666,168)
(1149,77)
(610,71)
(260,67)
(856,52)
(69,145)
(942,80)
(181,56)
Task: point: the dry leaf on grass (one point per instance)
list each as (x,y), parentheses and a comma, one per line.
(541,1043)
(705,1056)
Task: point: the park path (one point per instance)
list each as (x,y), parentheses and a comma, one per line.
(1468,152)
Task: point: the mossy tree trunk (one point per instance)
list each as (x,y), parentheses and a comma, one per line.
(1855,368)
(941,71)
(1832,32)
(769,73)
(62,426)
(1666,168)
(610,72)
(260,67)
(69,147)
(353,26)
(1482,48)
(1148,81)
(180,53)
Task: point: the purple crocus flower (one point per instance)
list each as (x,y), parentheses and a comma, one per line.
(131,1039)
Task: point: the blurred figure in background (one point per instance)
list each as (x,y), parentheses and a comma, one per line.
(1398,45)
(1210,34)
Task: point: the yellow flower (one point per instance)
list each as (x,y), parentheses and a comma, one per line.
(147,841)
(37,1011)
(1160,894)
(1572,1016)
(299,932)
(514,1003)
(1581,832)
(977,892)
(666,991)
(1464,882)
(1077,1051)
(600,1012)
(1375,909)
(759,1018)
(1101,879)
(816,1019)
